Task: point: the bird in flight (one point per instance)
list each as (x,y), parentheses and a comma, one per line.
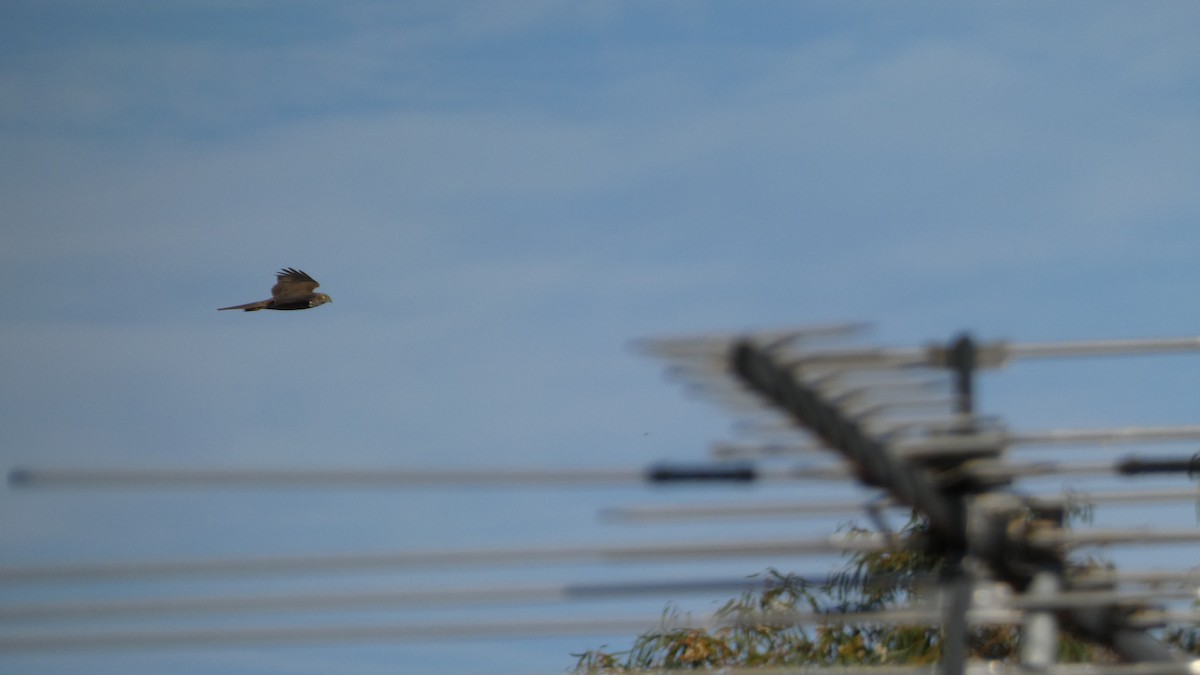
(292,290)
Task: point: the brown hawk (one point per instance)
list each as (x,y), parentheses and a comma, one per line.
(293,290)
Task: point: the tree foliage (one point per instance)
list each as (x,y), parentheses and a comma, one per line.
(868,582)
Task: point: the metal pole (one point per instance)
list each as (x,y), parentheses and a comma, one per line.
(954,629)
(961,357)
(1039,635)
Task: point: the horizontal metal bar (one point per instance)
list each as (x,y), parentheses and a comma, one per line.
(386,598)
(993,354)
(1044,350)
(475,596)
(509,628)
(442,559)
(795,509)
(760,450)
(137,477)
(1114,537)
(989,354)
(989,469)
(1154,578)
(1122,496)
(393,478)
(721,511)
(1165,434)
(865,358)
(992,470)
(950,444)
(479,630)
(327,634)
(689,345)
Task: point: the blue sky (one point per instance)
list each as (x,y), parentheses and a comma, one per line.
(500,197)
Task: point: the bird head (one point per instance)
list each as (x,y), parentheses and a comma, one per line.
(319,299)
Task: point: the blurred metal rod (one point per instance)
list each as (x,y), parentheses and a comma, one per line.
(57,477)
(384,633)
(387,598)
(391,478)
(1151,496)
(1105,578)
(994,470)
(990,354)
(480,630)
(1111,435)
(704,344)
(1085,599)
(1043,350)
(997,440)
(720,511)
(761,450)
(868,358)
(1132,465)
(442,559)
(656,513)
(508,628)
(501,478)
(1113,537)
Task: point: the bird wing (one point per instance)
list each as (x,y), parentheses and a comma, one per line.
(292,284)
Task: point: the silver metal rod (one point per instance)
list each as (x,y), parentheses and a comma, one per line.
(671,347)
(721,511)
(481,630)
(1039,644)
(1050,600)
(1114,537)
(1122,496)
(442,559)
(995,354)
(462,631)
(868,358)
(1111,435)
(1169,668)
(1043,350)
(1104,578)
(990,354)
(967,443)
(500,477)
(761,450)
(991,470)
(328,634)
(850,506)
(457,596)
(382,478)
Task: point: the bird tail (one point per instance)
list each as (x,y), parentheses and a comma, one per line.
(249,307)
